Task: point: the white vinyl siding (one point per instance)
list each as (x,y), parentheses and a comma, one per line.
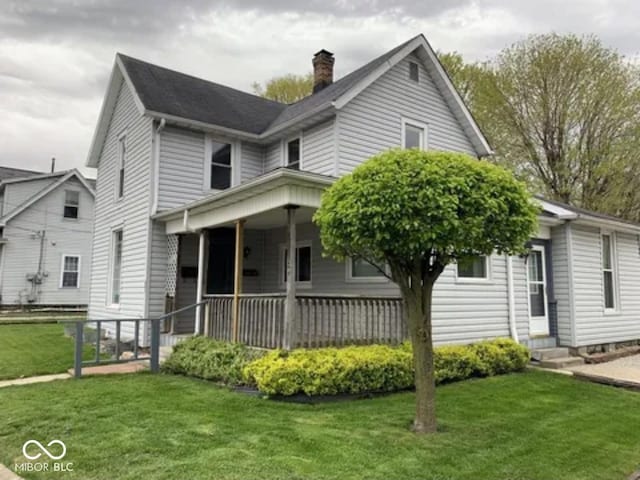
(22,250)
(252,161)
(273,156)
(562,283)
(372,121)
(318,149)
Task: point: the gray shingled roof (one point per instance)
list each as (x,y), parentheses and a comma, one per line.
(173,93)
(584,211)
(9,173)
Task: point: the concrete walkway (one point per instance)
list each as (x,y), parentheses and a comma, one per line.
(624,372)
(30,380)
(6,474)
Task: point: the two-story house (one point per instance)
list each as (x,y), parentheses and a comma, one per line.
(205,196)
(46,225)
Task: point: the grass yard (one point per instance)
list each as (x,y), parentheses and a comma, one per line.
(27,350)
(530,426)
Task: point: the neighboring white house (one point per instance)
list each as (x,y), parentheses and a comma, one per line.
(203,190)
(46,220)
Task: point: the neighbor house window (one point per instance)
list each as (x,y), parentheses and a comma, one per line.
(303,264)
(71,203)
(116,267)
(359,269)
(474,268)
(608,272)
(413,135)
(293,154)
(122,157)
(220,166)
(70,277)
(414,72)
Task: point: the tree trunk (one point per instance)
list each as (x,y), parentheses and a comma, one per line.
(419,321)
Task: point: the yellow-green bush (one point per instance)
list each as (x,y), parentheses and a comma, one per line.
(376,368)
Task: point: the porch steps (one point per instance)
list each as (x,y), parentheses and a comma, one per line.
(556,358)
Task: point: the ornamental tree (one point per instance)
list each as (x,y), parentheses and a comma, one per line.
(416,212)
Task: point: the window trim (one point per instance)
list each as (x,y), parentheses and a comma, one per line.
(65,205)
(478,280)
(285,148)
(109,300)
(283,248)
(417,79)
(121,163)
(424,139)
(235,165)
(349,278)
(62,270)
(614,272)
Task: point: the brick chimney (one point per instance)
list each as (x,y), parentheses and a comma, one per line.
(322,70)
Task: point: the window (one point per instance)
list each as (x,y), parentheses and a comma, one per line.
(70,277)
(122,156)
(116,267)
(303,264)
(220,166)
(476,268)
(71,203)
(293,154)
(608,272)
(359,270)
(414,72)
(413,135)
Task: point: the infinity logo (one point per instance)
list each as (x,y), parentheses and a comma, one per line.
(44,450)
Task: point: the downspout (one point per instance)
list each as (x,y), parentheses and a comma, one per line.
(511,299)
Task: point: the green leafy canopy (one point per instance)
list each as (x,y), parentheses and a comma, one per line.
(410,205)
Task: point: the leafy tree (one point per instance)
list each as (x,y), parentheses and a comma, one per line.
(286,89)
(417,212)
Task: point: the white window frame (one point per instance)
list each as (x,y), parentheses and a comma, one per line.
(424,139)
(482,280)
(285,150)
(283,248)
(112,256)
(62,270)
(614,271)
(236,153)
(120,161)
(351,279)
(417,80)
(64,207)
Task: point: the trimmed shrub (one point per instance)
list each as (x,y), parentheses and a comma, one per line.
(206,358)
(376,368)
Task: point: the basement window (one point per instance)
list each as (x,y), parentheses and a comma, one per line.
(71,203)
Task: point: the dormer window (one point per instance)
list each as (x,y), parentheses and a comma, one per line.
(293,154)
(414,72)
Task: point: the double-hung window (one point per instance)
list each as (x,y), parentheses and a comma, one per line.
(303,264)
(473,268)
(116,267)
(414,135)
(608,272)
(293,154)
(122,158)
(221,165)
(70,277)
(71,203)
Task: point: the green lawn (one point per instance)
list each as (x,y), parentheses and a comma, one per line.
(38,349)
(524,426)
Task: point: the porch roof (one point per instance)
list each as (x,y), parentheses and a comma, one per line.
(260,201)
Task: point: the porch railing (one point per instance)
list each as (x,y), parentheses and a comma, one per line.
(321,320)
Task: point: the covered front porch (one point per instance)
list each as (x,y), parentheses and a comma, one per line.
(229,253)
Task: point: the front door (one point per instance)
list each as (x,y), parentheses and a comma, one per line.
(537,279)
(220,267)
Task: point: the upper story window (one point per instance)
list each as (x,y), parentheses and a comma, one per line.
(414,72)
(71,203)
(474,268)
(122,157)
(413,135)
(608,272)
(220,177)
(293,154)
(70,275)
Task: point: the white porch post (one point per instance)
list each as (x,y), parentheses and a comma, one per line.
(237,277)
(200,287)
(290,302)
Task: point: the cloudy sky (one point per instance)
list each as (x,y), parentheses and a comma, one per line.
(56,55)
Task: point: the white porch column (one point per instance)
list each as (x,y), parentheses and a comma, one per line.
(200,287)
(290,302)
(237,277)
